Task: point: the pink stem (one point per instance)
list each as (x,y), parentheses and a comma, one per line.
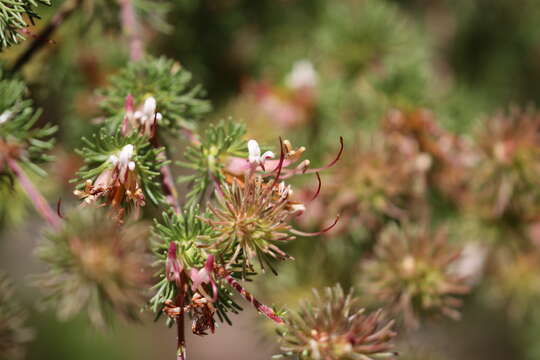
(167,183)
(265,310)
(41,205)
(131,29)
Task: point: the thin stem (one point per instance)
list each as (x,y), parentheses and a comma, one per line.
(131,28)
(180,333)
(39,202)
(64,12)
(167,182)
(263,309)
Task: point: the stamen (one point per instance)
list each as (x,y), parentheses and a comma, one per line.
(280,164)
(302,233)
(318,186)
(327,166)
(58,208)
(288,146)
(333,162)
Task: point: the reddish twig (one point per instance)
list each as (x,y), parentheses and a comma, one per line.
(64,12)
(131,28)
(263,309)
(167,182)
(180,334)
(39,202)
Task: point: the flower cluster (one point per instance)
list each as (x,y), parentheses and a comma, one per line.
(335,327)
(20,139)
(96,266)
(120,171)
(143,120)
(412,273)
(188,280)
(13,332)
(506,180)
(202,255)
(377,183)
(448,157)
(209,157)
(163,80)
(284,107)
(255,208)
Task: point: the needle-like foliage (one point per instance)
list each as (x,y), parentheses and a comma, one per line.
(15,16)
(120,167)
(180,103)
(333,326)
(175,241)
(20,137)
(209,156)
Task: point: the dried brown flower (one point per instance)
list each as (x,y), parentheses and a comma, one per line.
(96,266)
(506,179)
(335,327)
(411,272)
(13,332)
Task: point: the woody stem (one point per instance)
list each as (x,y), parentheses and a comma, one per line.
(131,29)
(180,333)
(39,202)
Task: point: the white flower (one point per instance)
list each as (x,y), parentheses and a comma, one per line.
(147,115)
(113,159)
(123,161)
(255,153)
(150,105)
(5,116)
(470,264)
(302,75)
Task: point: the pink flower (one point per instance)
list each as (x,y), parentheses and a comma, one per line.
(173,267)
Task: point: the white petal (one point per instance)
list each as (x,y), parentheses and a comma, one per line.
(6,115)
(113,159)
(126,154)
(254,151)
(149,107)
(303,75)
(131,166)
(268,155)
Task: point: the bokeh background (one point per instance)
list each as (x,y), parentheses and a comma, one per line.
(312,71)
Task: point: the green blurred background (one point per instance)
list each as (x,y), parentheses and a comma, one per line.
(462,59)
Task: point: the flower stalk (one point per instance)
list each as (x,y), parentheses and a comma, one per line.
(263,309)
(39,202)
(131,29)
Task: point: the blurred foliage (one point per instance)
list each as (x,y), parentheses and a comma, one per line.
(435,101)
(95,267)
(14,334)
